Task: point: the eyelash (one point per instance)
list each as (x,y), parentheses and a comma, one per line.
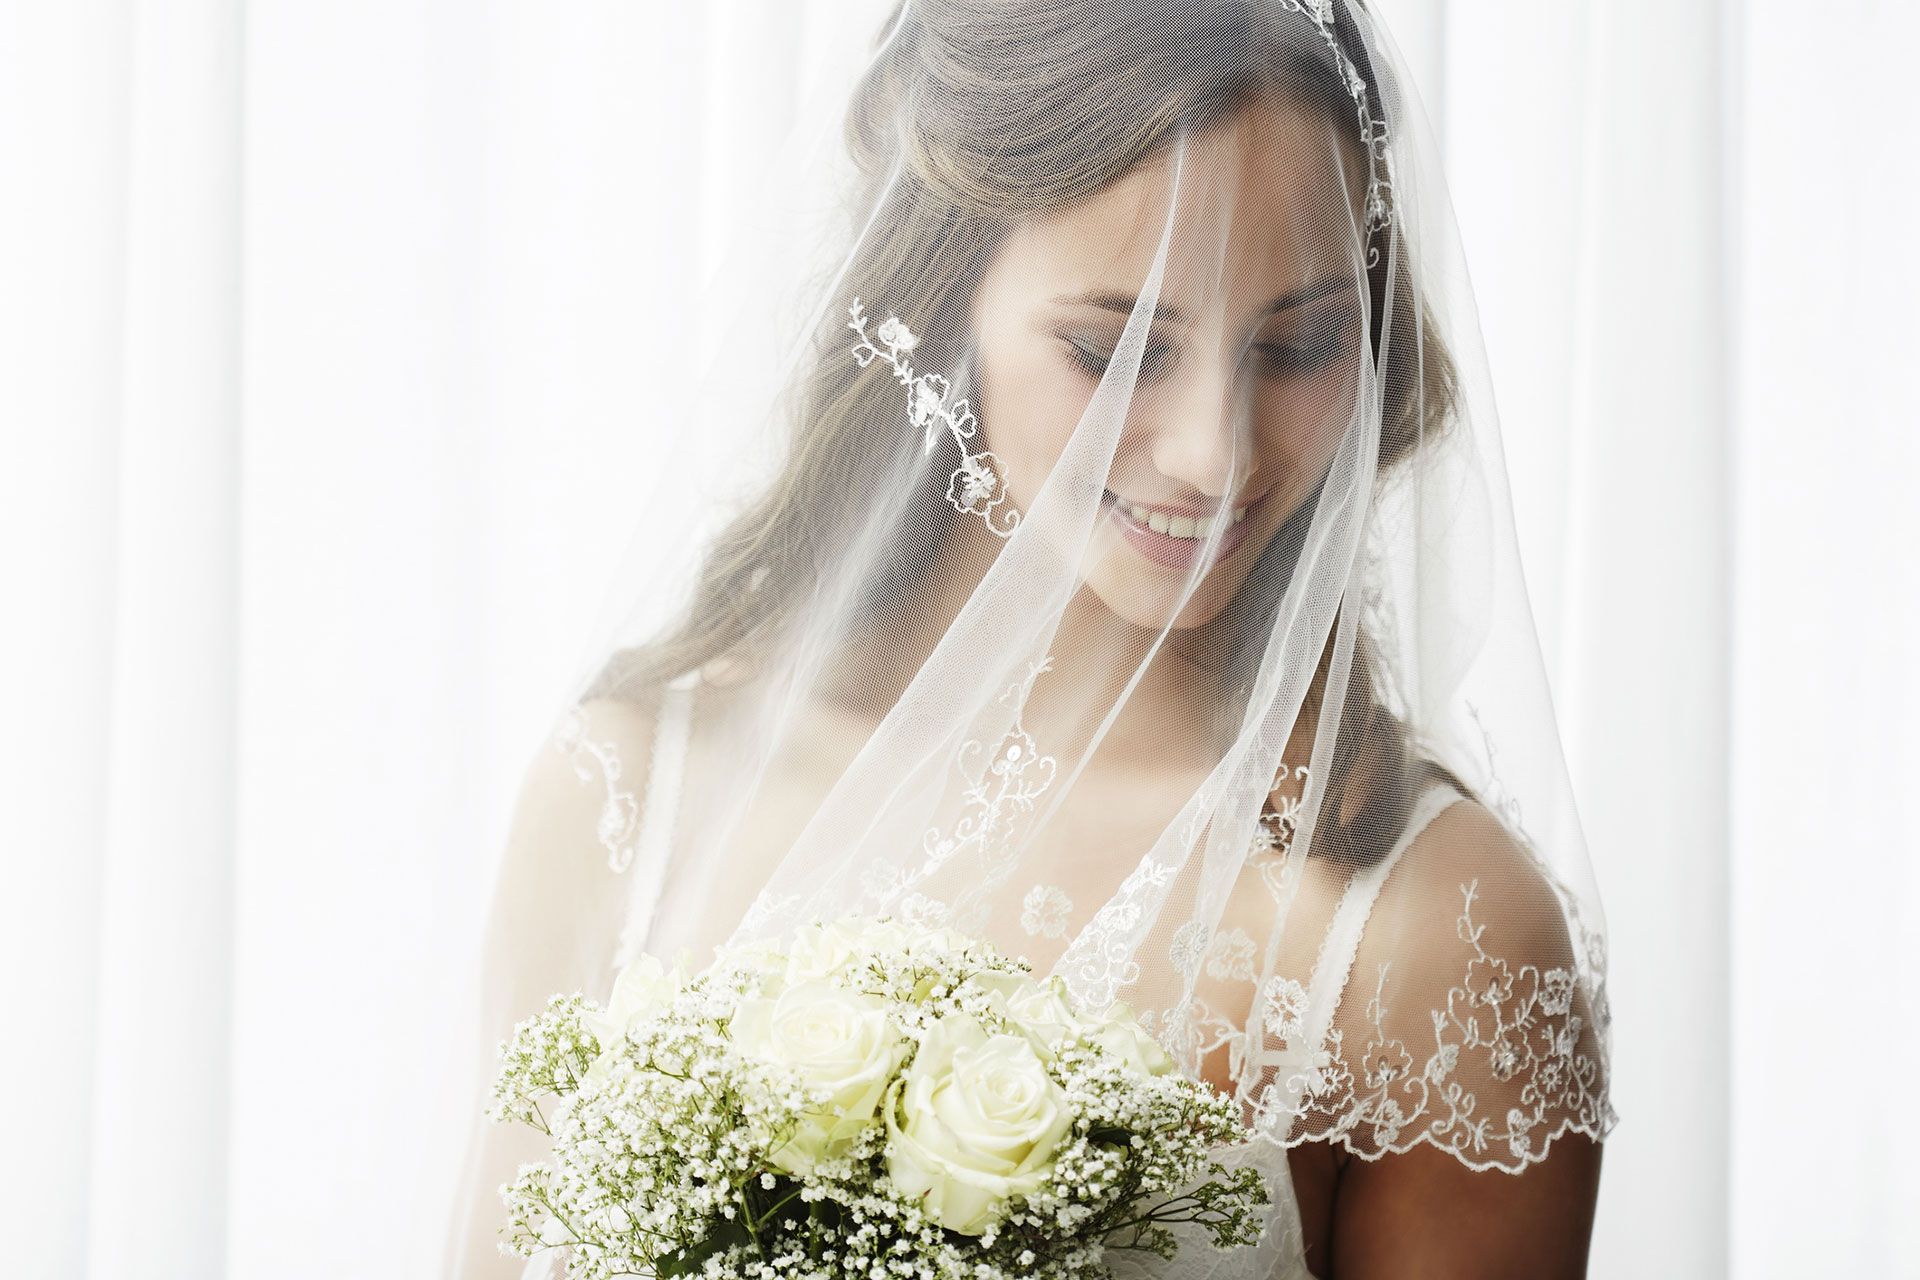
(1093,362)
(1319,349)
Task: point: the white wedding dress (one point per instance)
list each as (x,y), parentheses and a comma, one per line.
(1088,530)
(1283,1256)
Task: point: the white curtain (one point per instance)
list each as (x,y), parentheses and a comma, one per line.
(323,386)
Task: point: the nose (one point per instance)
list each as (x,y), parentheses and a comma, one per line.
(1200,438)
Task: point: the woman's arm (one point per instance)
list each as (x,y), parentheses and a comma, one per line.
(1468,1048)
(554,922)
(1423,1215)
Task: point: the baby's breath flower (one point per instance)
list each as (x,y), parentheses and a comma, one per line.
(666,1140)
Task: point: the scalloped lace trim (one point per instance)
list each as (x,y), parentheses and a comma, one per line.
(1516,1023)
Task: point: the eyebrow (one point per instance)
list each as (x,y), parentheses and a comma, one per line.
(1124,303)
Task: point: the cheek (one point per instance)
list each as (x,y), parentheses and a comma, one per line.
(1301,421)
(1030,407)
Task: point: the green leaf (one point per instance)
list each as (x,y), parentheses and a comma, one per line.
(689,1260)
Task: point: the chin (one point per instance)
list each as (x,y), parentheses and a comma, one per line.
(1146,598)
(1144,594)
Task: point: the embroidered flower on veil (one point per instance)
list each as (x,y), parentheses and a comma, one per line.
(976,486)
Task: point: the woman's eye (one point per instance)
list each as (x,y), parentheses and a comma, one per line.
(1095,359)
(1307,352)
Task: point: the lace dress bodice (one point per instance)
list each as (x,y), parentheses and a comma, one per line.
(649,843)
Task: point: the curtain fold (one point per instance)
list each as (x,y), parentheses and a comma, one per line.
(322,385)
(121,368)
(158,1173)
(63,113)
(1824,747)
(1644,622)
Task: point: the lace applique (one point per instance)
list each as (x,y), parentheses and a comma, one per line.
(1100,960)
(1495,793)
(1189,947)
(1002,787)
(1373,130)
(883,881)
(922,912)
(1280,821)
(618,826)
(1273,839)
(1043,912)
(1516,1024)
(763,909)
(1191,1030)
(977,485)
(1231,957)
(1283,1008)
(1589,945)
(1378,619)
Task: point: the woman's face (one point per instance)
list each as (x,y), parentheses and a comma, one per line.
(1250,370)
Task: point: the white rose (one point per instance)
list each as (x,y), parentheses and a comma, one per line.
(835,1039)
(1118,1031)
(974,1121)
(1040,1008)
(821,951)
(642,989)
(883,935)
(765,959)
(890,933)
(827,950)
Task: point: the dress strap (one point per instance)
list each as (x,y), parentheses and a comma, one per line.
(1342,942)
(666,768)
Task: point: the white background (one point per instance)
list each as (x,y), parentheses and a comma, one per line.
(324,381)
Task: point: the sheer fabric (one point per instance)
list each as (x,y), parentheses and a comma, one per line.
(1093,535)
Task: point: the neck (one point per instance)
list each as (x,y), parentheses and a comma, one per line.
(1094,654)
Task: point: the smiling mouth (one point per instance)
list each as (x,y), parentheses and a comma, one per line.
(1177,524)
(1178,540)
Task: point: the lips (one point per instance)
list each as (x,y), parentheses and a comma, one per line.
(1176,537)
(1177,522)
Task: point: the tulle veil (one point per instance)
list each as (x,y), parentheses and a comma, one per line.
(1089,531)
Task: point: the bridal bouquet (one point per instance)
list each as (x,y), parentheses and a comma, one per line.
(869,1100)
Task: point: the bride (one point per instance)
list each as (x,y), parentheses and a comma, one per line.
(1129,579)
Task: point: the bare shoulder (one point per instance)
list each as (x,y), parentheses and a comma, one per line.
(622,722)
(1467,1048)
(1465,872)
(558,893)
(585,778)
(556,909)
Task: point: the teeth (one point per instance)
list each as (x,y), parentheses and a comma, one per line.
(1180,526)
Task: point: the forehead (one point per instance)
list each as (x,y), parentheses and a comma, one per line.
(1267,198)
